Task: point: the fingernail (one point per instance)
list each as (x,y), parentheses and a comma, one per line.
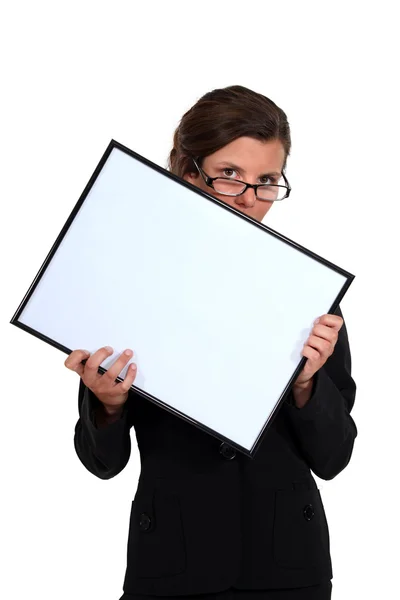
(317,321)
(109,349)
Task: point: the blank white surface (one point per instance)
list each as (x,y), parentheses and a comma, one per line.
(152,265)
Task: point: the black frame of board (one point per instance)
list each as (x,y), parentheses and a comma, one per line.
(114,144)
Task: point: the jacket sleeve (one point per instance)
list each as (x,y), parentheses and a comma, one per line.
(323,428)
(104,451)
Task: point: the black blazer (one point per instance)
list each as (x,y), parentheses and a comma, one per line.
(205,517)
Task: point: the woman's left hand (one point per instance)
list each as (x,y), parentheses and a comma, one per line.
(319,346)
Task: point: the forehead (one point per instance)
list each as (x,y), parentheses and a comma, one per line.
(249,156)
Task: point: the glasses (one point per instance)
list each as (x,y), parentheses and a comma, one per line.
(233,187)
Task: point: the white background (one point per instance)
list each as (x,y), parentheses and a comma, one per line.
(74,75)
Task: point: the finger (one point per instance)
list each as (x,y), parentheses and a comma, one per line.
(91,372)
(115,369)
(324,332)
(74,361)
(333,321)
(130,377)
(311,353)
(323,346)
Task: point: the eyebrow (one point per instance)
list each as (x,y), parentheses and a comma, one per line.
(237,168)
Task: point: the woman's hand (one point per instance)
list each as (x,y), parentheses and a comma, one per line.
(319,346)
(111,394)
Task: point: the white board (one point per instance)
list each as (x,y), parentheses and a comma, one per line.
(216,306)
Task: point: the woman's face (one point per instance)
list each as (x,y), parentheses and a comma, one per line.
(246,159)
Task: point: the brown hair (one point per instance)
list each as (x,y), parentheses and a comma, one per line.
(221,116)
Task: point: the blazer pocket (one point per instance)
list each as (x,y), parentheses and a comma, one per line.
(156,545)
(301,535)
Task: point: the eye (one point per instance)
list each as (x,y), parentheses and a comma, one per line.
(228,172)
(267,179)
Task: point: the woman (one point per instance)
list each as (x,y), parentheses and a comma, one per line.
(206,520)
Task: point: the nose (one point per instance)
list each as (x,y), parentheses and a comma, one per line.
(248,199)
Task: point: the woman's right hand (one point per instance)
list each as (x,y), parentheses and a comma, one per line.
(111,394)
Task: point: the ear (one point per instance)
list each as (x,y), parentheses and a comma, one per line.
(191,177)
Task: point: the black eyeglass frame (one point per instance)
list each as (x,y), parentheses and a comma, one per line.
(209,181)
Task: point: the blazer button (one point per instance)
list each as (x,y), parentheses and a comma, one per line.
(227,451)
(308,512)
(144,522)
